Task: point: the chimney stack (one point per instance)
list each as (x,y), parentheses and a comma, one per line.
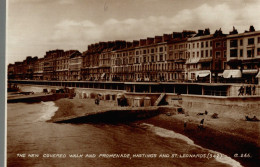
(176,35)
(149,41)
(142,42)
(158,39)
(129,44)
(187,33)
(166,37)
(135,43)
(207,31)
(200,33)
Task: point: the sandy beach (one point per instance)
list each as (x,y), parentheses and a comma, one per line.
(233,136)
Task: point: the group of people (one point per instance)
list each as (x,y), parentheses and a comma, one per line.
(247,90)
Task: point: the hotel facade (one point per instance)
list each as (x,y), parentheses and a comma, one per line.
(186,56)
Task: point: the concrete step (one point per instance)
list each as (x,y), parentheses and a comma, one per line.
(157,102)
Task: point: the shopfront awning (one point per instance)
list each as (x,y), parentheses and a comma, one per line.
(103,75)
(192,61)
(232,74)
(220,74)
(203,73)
(258,75)
(250,71)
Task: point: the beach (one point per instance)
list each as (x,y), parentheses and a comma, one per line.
(32,140)
(230,135)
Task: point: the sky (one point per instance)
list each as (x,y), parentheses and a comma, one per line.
(37,26)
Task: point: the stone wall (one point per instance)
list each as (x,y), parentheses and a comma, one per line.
(236,107)
(232,106)
(91,93)
(233,90)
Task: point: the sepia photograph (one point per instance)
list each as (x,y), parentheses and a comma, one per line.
(132,83)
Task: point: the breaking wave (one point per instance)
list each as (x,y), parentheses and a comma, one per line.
(48,110)
(171,134)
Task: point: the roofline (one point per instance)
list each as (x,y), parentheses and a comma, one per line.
(244,34)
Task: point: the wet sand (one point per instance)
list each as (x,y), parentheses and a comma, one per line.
(232,136)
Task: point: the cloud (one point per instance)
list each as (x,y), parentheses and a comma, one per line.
(72,33)
(66,2)
(27,1)
(204,16)
(71,23)
(152,1)
(63,2)
(77,34)
(36,1)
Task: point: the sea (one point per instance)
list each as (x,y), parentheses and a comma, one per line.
(34,141)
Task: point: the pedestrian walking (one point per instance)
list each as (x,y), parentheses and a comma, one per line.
(247,90)
(253,90)
(241,91)
(185,124)
(97,100)
(201,124)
